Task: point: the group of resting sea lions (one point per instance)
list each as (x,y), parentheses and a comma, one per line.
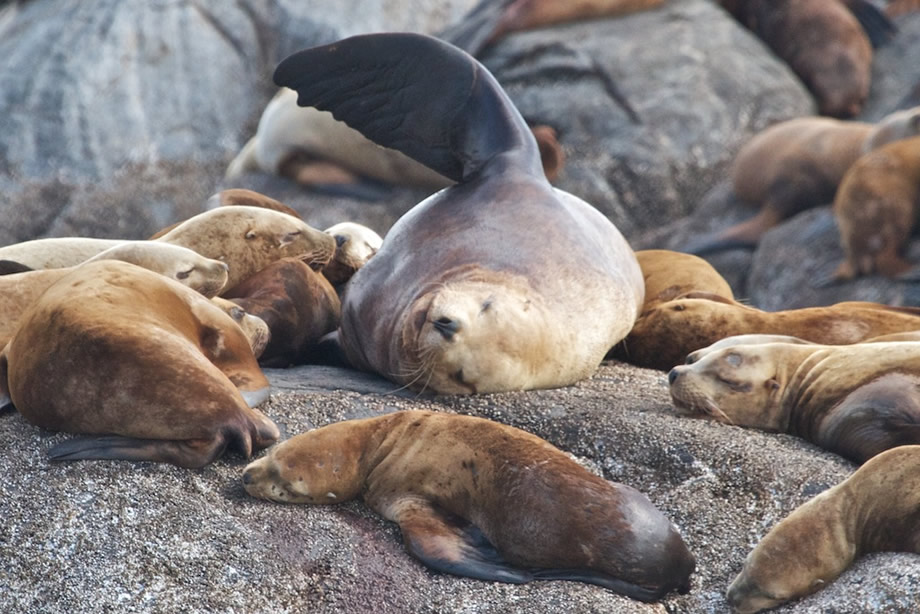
(498,281)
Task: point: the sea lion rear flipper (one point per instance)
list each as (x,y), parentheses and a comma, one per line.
(592,577)
(416,94)
(9,267)
(193,453)
(450,545)
(478,28)
(877,25)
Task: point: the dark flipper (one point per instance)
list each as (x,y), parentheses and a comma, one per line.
(415,94)
(195,453)
(877,25)
(478,28)
(592,577)
(8,267)
(450,545)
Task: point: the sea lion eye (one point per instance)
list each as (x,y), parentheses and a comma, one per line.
(184,274)
(734,359)
(237,314)
(250,234)
(679,307)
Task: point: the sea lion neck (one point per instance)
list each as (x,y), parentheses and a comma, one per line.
(796,374)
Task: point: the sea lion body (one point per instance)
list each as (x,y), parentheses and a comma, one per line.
(874,510)
(152,367)
(463,296)
(855,400)
(663,336)
(876,210)
(354,246)
(446,479)
(798,164)
(669,275)
(298,304)
(246,238)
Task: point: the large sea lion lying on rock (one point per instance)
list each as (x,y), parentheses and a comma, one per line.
(478,498)
(500,282)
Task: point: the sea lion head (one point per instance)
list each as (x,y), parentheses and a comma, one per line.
(254,327)
(738,384)
(184,265)
(474,335)
(355,245)
(319,466)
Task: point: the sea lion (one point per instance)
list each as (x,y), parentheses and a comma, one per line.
(490,20)
(876,210)
(236,197)
(663,336)
(354,246)
(447,480)
(876,509)
(254,327)
(797,164)
(152,369)
(18,291)
(823,43)
(463,297)
(854,400)
(669,275)
(298,304)
(313,148)
(246,238)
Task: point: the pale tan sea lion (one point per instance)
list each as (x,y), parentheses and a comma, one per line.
(855,400)
(355,244)
(876,210)
(449,481)
(299,306)
(798,164)
(148,368)
(663,336)
(246,238)
(877,509)
(463,297)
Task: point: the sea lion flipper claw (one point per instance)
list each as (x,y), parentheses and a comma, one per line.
(446,544)
(391,88)
(192,454)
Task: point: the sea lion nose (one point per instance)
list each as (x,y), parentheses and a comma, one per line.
(672,375)
(247,477)
(447,327)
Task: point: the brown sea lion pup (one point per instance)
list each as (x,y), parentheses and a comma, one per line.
(149,368)
(463,297)
(876,509)
(663,336)
(797,164)
(854,400)
(449,480)
(237,197)
(490,20)
(246,238)
(823,43)
(354,246)
(313,148)
(876,210)
(298,304)
(18,291)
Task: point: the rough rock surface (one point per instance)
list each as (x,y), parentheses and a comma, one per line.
(120,536)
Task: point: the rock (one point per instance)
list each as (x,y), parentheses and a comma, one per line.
(113,535)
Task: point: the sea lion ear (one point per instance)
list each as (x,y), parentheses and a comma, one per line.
(413,93)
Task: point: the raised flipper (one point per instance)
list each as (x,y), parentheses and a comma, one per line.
(876,24)
(192,453)
(391,88)
(449,544)
(9,267)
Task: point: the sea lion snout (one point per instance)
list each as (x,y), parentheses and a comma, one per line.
(673,374)
(448,327)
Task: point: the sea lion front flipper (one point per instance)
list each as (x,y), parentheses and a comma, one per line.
(592,577)
(450,545)
(193,453)
(416,94)
(9,267)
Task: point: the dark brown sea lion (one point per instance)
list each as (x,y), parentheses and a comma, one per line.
(151,369)
(876,210)
(877,509)
(298,304)
(798,164)
(499,282)
(855,400)
(449,482)
(663,336)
